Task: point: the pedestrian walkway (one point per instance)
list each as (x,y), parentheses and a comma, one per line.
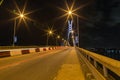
(71,69)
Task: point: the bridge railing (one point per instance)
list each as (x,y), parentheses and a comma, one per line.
(106,64)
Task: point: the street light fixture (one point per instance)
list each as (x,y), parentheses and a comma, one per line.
(72,31)
(49,33)
(69,12)
(1,2)
(58,37)
(22,15)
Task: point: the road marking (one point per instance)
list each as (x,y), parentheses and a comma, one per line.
(71,70)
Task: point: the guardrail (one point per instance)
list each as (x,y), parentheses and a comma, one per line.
(107,64)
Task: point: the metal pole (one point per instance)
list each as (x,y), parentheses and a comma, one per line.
(95,63)
(1,2)
(105,71)
(47,40)
(78,29)
(73,39)
(56,41)
(14,32)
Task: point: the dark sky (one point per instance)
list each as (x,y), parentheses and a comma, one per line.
(100,28)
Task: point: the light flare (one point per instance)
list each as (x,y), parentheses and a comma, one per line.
(21,15)
(50,31)
(71,11)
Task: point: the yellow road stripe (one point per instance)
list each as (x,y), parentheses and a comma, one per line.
(71,69)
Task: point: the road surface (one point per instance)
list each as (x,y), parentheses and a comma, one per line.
(51,65)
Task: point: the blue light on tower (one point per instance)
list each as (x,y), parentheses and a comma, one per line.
(70,31)
(69,27)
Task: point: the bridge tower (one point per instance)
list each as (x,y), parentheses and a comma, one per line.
(70,31)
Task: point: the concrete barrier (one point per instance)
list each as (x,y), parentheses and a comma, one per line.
(32,50)
(25,51)
(5,54)
(37,50)
(16,52)
(41,49)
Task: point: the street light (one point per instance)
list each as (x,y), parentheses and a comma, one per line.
(72,31)
(58,37)
(69,12)
(21,16)
(50,32)
(1,2)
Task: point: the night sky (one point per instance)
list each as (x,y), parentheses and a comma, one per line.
(100,26)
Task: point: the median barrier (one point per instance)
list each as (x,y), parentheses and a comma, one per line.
(32,50)
(25,51)
(37,50)
(5,54)
(16,52)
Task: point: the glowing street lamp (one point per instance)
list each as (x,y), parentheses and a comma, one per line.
(69,12)
(49,33)
(72,31)
(58,37)
(1,2)
(21,16)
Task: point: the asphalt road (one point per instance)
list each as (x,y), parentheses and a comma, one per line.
(40,66)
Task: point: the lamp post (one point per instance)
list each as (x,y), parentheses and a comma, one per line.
(78,30)
(14,32)
(58,37)
(73,38)
(50,32)
(1,1)
(21,16)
